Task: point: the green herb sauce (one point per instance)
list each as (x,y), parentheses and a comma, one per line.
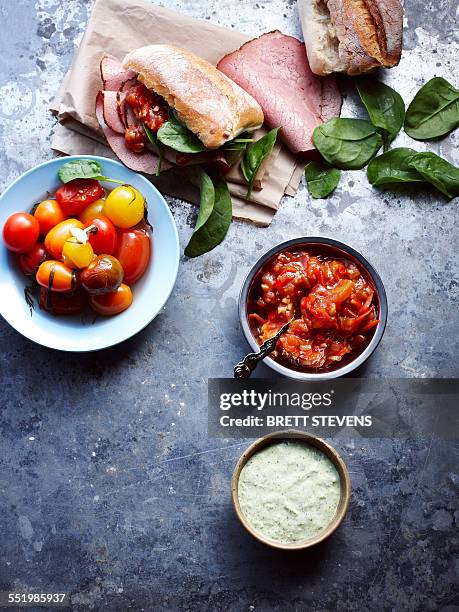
(289,491)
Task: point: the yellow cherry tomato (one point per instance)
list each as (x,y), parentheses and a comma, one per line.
(76,254)
(92,211)
(125,206)
(58,235)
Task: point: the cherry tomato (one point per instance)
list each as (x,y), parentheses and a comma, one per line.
(103,275)
(20,232)
(103,239)
(58,235)
(29,262)
(76,195)
(112,303)
(133,249)
(56,276)
(63,303)
(48,214)
(125,206)
(92,211)
(77,254)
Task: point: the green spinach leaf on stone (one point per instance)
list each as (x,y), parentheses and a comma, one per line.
(393,167)
(384,105)
(347,143)
(437,171)
(434,110)
(322,179)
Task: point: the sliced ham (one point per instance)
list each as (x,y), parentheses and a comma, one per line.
(146,162)
(113,74)
(112,115)
(274,69)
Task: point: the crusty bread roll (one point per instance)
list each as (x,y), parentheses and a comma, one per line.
(207,101)
(352,36)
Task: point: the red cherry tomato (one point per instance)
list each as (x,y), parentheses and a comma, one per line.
(112,303)
(48,214)
(29,262)
(20,232)
(74,196)
(63,303)
(103,241)
(133,250)
(56,276)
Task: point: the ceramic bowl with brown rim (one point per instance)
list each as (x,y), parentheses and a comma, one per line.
(316,443)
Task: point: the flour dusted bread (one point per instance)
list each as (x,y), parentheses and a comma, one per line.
(352,36)
(209,103)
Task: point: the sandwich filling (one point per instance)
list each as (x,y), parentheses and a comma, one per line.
(150,110)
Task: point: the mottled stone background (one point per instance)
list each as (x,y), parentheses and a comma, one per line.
(110,488)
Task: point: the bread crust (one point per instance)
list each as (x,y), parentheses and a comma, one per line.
(352,36)
(375,36)
(207,101)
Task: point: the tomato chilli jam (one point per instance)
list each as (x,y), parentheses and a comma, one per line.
(333,302)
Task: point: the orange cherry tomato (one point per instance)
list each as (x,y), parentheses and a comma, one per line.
(94,210)
(112,303)
(58,235)
(48,214)
(20,232)
(56,276)
(63,303)
(133,250)
(29,262)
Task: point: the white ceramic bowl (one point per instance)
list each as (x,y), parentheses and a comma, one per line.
(150,293)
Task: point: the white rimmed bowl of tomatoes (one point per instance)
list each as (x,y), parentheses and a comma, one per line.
(81,268)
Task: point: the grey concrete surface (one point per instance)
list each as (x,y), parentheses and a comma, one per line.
(111,490)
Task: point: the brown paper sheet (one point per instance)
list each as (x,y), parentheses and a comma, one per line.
(117,26)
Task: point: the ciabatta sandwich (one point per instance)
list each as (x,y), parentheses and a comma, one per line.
(210,104)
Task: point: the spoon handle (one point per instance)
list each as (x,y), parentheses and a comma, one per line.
(244,368)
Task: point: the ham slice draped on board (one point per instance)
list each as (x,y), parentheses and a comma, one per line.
(274,69)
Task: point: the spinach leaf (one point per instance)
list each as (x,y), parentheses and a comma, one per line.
(393,167)
(207,200)
(437,171)
(153,138)
(214,229)
(347,143)
(83,168)
(255,155)
(177,136)
(322,179)
(384,105)
(434,110)
(235,148)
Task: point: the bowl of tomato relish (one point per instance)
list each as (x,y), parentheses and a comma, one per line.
(333,294)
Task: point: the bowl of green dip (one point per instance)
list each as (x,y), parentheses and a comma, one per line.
(291,490)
